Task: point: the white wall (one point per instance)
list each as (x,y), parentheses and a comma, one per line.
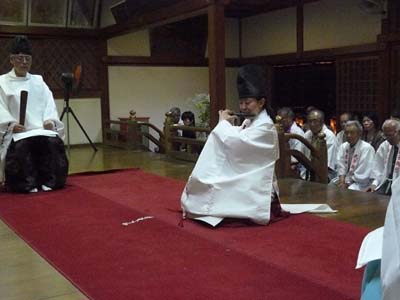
(231,38)
(338,23)
(327,24)
(136,43)
(232,96)
(88,112)
(152,91)
(270,33)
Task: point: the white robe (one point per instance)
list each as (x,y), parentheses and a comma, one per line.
(40,108)
(331,145)
(382,164)
(357,174)
(384,243)
(294,143)
(340,138)
(390,267)
(234,175)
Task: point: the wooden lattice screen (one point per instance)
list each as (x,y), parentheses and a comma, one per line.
(357,87)
(52,57)
(395,78)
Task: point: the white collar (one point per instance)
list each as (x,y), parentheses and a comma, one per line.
(13,76)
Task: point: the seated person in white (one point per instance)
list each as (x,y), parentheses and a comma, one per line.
(290,126)
(386,166)
(355,159)
(32,154)
(234,176)
(343,118)
(315,121)
(380,251)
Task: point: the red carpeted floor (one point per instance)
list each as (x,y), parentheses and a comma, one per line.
(79,231)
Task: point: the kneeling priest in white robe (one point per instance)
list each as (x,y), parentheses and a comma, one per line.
(234,176)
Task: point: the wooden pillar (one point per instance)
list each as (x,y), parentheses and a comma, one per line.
(216,63)
(105,97)
(393,7)
(300,28)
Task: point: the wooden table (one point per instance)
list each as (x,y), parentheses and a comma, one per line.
(361,208)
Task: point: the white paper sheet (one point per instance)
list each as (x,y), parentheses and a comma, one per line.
(33,132)
(320,208)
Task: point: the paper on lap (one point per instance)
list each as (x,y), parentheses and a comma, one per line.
(33,132)
(311,208)
(371,248)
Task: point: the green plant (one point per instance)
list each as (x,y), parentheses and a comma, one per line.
(201,104)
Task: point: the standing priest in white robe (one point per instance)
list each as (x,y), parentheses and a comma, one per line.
(387,159)
(234,176)
(32,154)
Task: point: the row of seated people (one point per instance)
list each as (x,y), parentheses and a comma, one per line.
(360,157)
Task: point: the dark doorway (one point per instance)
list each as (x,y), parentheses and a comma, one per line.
(307,84)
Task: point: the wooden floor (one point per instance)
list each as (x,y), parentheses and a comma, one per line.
(24,275)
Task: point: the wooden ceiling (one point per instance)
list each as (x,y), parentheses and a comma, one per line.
(137,14)
(233,8)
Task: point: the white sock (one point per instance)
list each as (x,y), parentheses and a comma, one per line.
(34,190)
(46,188)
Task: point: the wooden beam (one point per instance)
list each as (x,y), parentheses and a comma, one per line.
(166,61)
(39,31)
(153,61)
(325,54)
(216,54)
(59,94)
(246,8)
(240,37)
(313,55)
(165,15)
(390,37)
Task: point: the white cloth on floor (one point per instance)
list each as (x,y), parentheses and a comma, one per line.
(318,208)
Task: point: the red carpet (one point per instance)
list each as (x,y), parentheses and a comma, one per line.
(79,231)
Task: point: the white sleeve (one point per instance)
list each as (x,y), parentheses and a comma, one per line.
(378,165)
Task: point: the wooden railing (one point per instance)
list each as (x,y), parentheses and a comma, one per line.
(316,165)
(133,135)
(173,141)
